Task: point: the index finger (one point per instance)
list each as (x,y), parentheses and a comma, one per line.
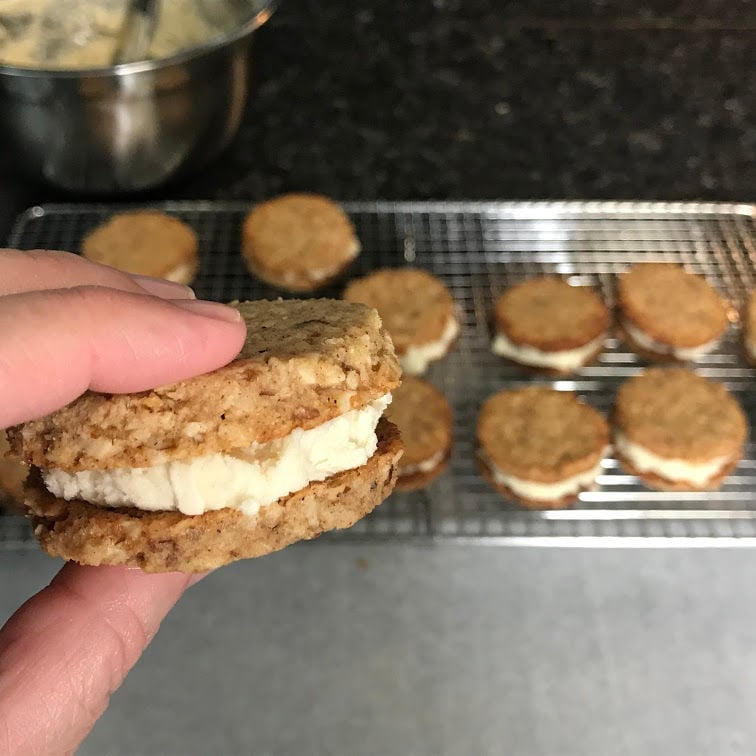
(40,269)
(54,345)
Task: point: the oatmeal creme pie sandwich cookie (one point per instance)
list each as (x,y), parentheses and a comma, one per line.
(545,323)
(417,310)
(146,243)
(282,444)
(539,446)
(678,431)
(666,313)
(424,418)
(298,242)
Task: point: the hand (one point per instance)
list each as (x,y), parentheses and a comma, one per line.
(67,325)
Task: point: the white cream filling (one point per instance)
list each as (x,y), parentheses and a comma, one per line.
(643,340)
(180,274)
(416,359)
(564,359)
(669,468)
(422,467)
(536,491)
(246,479)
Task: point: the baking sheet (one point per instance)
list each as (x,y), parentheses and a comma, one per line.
(478,249)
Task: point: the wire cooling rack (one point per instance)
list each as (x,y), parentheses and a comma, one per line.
(478,249)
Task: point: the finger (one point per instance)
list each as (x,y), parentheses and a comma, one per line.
(161,287)
(69,647)
(41,269)
(54,345)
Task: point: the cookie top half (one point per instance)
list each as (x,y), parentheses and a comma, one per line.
(539,434)
(549,314)
(303,363)
(143,242)
(671,305)
(415,305)
(678,414)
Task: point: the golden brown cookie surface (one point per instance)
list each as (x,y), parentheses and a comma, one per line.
(423,416)
(677,414)
(671,306)
(415,305)
(170,541)
(541,435)
(146,243)
(550,315)
(298,242)
(303,363)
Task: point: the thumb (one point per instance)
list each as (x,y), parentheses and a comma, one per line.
(70,646)
(56,344)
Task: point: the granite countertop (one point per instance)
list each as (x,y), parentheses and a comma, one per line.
(483,99)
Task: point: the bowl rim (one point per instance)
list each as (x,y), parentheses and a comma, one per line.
(256,20)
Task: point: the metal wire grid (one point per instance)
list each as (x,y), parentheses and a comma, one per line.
(479,249)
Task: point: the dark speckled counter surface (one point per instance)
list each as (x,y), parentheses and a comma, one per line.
(487,99)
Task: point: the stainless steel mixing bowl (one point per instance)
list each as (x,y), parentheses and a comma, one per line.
(129,127)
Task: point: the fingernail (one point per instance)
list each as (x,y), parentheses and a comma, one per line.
(159,287)
(214,310)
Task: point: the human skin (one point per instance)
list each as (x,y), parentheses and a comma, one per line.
(66,326)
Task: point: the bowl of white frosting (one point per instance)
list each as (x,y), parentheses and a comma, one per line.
(76,120)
